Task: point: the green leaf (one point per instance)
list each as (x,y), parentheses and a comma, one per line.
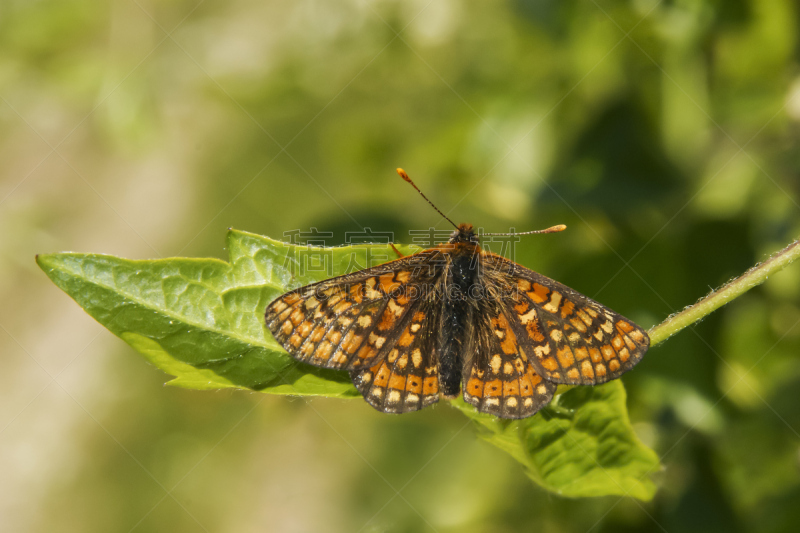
(202,321)
(582,444)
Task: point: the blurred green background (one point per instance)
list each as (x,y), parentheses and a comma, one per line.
(664,134)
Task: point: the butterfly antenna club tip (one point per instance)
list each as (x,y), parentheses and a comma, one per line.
(552,229)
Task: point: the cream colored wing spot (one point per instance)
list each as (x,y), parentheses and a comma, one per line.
(555,301)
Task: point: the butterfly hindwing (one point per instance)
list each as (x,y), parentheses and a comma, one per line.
(405,377)
(573,339)
(498,377)
(344,322)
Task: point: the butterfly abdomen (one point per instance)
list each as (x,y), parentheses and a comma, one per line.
(461,277)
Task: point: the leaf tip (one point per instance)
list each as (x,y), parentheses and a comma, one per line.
(42,260)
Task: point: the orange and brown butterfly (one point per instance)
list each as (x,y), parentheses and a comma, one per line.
(416,329)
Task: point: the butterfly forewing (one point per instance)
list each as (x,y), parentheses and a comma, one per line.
(573,339)
(498,377)
(345,322)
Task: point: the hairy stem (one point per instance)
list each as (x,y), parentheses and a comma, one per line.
(733,289)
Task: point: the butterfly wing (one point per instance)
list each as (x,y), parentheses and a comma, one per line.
(498,376)
(406,376)
(346,322)
(573,339)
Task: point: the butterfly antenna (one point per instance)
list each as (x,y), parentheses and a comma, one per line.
(553,229)
(405,177)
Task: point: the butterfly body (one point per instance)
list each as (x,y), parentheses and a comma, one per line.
(455,317)
(460,280)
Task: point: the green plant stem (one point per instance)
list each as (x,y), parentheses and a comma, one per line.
(733,289)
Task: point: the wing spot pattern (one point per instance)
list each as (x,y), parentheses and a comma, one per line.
(528,317)
(617,342)
(555,301)
(357,293)
(414,385)
(376,340)
(297,316)
(579,325)
(416,357)
(307,349)
(565,357)
(318,333)
(586,319)
(587,370)
(600,369)
(304,328)
(637,336)
(324,351)
(608,352)
(493,388)
(369,290)
(539,293)
(342,306)
(550,364)
(430,386)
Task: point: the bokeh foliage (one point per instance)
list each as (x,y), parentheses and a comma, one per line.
(664,134)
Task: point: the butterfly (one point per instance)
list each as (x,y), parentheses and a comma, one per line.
(452,317)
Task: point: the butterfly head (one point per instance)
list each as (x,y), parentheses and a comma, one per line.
(464,233)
